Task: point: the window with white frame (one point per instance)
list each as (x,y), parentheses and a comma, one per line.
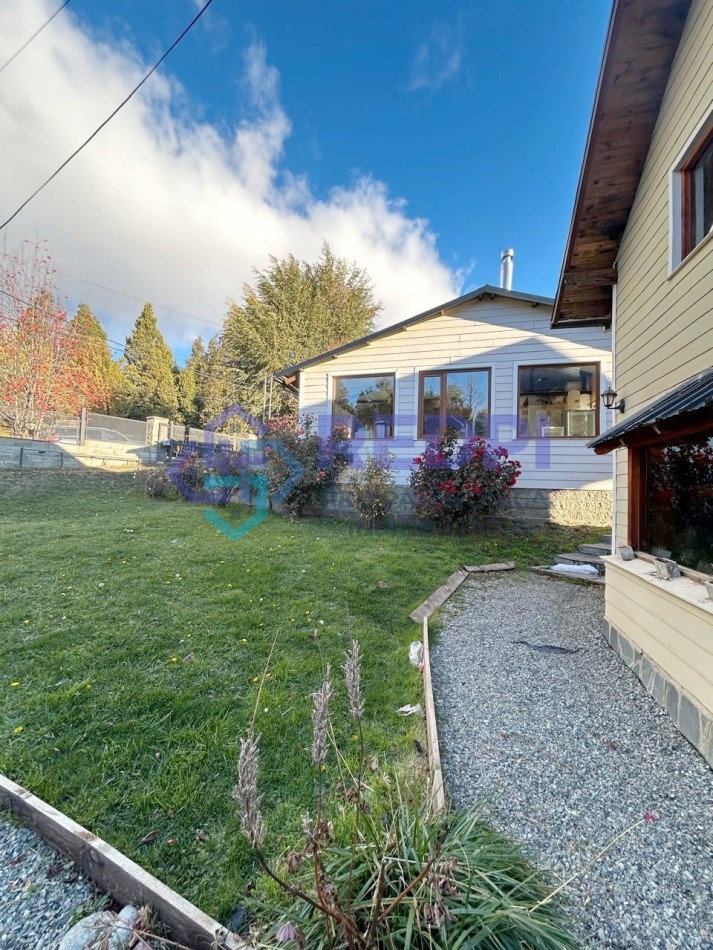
(692,195)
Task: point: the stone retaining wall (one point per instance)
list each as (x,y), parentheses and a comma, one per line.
(530,506)
(34,453)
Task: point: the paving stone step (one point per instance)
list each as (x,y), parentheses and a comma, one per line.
(598,549)
(576,557)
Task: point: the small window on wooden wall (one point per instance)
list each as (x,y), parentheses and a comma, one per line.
(697,196)
(671,498)
(692,195)
(457,399)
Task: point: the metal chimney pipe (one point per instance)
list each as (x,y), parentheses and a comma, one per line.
(506,268)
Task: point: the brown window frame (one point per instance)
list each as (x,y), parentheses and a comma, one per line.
(392,376)
(688,222)
(636,474)
(443,373)
(597,393)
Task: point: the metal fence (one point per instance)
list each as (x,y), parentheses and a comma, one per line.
(99,428)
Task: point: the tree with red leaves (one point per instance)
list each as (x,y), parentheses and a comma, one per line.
(42,370)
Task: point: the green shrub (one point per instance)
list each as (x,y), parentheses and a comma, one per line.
(296,453)
(370,488)
(210,479)
(153,481)
(456,484)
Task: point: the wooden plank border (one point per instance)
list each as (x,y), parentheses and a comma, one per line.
(438,791)
(125,880)
(421,615)
(441,595)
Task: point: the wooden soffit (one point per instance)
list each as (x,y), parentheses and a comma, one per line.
(641,44)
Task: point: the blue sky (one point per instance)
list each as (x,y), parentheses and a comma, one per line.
(469,120)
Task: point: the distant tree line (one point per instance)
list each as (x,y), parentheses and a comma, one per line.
(51,363)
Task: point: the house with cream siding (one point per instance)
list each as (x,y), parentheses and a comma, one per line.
(486,363)
(640,255)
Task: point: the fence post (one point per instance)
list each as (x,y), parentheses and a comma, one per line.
(154,424)
(82,430)
(22,452)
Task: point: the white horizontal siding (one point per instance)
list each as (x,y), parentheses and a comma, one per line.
(498,335)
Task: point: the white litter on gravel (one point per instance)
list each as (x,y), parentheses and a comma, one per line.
(574,752)
(39,890)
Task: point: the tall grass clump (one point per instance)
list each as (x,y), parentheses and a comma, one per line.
(397,875)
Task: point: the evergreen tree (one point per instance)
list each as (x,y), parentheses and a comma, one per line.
(294,310)
(216,384)
(94,361)
(150,384)
(189,384)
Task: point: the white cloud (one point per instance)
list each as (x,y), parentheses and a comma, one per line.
(439,60)
(165,207)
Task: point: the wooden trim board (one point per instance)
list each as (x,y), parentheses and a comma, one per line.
(125,880)
(441,595)
(438,792)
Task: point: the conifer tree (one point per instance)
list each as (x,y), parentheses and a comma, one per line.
(150,383)
(190,384)
(292,311)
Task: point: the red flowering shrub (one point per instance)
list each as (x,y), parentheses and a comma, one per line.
(300,462)
(456,483)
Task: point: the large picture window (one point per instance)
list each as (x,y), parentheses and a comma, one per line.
(456,399)
(558,401)
(364,405)
(673,491)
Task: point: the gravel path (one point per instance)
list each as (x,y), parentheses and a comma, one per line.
(575,752)
(39,891)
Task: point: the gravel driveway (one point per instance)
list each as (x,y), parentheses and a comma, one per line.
(39,891)
(575,752)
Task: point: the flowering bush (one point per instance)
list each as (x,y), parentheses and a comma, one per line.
(456,484)
(295,451)
(190,474)
(370,488)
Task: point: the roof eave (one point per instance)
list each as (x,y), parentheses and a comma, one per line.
(603,199)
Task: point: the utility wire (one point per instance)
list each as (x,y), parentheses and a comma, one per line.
(106,121)
(158,306)
(35,34)
(18,322)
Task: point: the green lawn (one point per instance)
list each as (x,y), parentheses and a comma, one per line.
(132,636)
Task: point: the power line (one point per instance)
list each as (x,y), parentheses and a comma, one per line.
(116,347)
(32,306)
(119,293)
(35,34)
(106,121)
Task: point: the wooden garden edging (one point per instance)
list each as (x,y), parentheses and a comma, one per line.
(126,881)
(441,595)
(421,615)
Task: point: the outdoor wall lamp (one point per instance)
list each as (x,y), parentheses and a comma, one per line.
(609,399)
